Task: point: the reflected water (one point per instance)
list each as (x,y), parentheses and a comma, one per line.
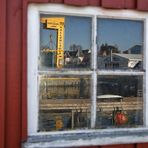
(120,101)
(64,103)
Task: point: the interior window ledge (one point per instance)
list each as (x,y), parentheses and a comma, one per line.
(89,138)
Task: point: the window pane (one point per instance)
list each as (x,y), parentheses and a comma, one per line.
(65,42)
(64,102)
(120,44)
(119,101)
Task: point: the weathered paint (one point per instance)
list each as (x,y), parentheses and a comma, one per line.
(85,138)
(13,70)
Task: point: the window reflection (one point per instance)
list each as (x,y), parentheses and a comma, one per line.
(119,101)
(64,102)
(120,44)
(65,42)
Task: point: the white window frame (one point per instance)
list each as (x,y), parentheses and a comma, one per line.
(97,136)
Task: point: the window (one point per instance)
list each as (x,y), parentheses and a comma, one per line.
(69,93)
(86,71)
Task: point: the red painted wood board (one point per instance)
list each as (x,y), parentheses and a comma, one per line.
(24,74)
(94,2)
(117,4)
(130,4)
(56,1)
(142,145)
(13,74)
(120,146)
(13,71)
(142,5)
(2,70)
(76,2)
(37,1)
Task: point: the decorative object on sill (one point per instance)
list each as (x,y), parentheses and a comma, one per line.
(120,118)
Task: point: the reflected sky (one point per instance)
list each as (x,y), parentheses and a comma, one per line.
(123,33)
(77,31)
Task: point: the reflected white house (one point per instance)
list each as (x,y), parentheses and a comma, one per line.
(120,61)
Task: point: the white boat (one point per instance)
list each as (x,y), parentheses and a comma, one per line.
(110,96)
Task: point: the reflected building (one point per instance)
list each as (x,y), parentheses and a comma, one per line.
(136,49)
(120,61)
(110,57)
(77,58)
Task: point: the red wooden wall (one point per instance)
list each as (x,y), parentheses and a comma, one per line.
(13,64)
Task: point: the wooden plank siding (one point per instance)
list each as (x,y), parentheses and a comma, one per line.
(2,71)
(13,64)
(142,5)
(13,74)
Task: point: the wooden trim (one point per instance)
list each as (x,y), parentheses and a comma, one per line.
(2,71)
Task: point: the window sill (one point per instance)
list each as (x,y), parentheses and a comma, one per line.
(87,138)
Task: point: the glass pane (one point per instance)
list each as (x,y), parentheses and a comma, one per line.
(64,102)
(119,101)
(120,44)
(65,42)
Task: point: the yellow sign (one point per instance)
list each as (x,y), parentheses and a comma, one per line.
(57,24)
(59,123)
